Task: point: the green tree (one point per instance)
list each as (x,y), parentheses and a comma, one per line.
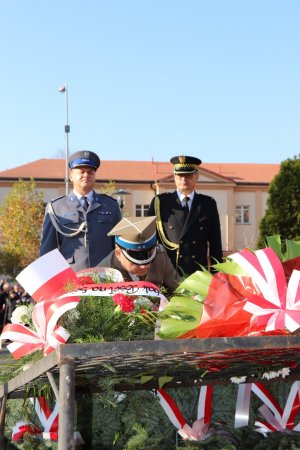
(283,205)
(21,218)
(108,188)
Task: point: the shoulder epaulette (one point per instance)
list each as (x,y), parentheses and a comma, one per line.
(57,198)
(160,229)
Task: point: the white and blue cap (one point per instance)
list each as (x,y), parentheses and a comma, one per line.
(136,236)
(84,158)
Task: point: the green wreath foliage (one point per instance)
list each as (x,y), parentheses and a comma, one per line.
(134,420)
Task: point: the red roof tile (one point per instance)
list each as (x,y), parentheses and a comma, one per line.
(144,171)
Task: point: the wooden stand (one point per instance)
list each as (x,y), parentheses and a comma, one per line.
(191,362)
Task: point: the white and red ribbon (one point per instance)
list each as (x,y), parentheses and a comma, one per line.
(48,419)
(276,418)
(136,288)
(47,336)
(47,277)
(21,428)
(199,431)
(44,279)
(278,306)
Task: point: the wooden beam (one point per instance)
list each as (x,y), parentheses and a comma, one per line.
(66,404)
(34,371)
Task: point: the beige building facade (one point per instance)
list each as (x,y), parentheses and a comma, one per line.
(240,190)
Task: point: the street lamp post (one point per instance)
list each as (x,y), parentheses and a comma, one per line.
(120,193)
(64,89)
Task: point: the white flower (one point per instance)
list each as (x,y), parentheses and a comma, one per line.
(238,380)
(72,317)
(272,374)
(143,302)
(20,315)
(285,372)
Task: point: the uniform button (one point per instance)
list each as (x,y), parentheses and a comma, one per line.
(180,256)
(201,228)
(194,242)
(193,256)
(180,242)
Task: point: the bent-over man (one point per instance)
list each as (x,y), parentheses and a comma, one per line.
(138,256)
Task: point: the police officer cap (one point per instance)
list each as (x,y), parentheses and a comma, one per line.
(185,164)
(137,238)
(84,158)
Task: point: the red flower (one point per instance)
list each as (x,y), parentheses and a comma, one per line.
(126,303)
(84,280)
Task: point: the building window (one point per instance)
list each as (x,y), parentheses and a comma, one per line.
(242,214)
(141,210)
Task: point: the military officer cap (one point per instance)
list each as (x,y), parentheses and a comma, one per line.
(185,164)
(84,158)
(136,236)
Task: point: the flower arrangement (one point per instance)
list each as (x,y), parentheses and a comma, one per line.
(128,304)
(81,308)
(119,317)
(22,315)
(89,306)
(253,293)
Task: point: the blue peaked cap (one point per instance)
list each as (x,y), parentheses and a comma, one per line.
(84,158)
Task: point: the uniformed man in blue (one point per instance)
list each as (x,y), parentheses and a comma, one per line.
(77,224)
(188,223)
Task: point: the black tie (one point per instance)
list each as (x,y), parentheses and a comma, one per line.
(85,203)
(185,203)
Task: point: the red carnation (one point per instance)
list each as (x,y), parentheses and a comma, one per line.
(84,280)
(126,303)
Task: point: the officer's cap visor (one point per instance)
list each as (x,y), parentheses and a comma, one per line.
(140,257)
(83,162)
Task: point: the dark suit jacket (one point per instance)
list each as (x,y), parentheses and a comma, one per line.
(88,248)
(197,237)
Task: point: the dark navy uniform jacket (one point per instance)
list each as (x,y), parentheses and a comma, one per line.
(91,244)
(197,235)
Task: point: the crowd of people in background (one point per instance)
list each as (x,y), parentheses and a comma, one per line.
(11,296)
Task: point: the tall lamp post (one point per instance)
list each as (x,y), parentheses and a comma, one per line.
(120,193)
(64,89)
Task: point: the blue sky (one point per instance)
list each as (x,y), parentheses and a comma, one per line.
(150,79)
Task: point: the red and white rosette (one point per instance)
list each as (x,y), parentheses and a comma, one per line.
(199,431)
(44,279)
(276,418)
(278,306)
(48,419)
(21,428)
(47,335)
